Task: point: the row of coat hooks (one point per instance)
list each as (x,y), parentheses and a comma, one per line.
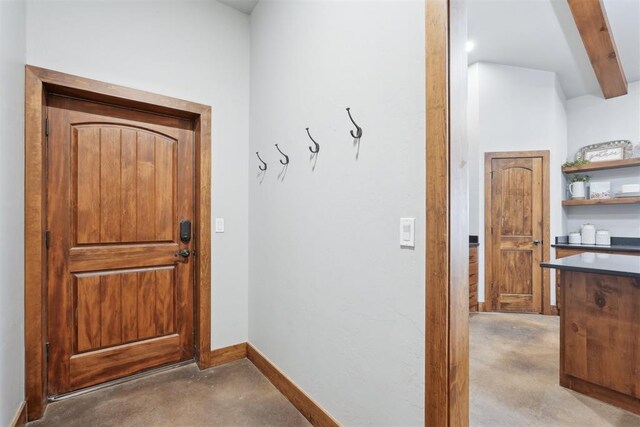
(315,149)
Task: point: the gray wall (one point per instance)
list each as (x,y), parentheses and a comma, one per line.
(593,119)
(514,109)
(334,301)
(12,59)
(197,51)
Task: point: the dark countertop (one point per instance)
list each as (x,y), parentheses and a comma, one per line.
(611,264)
(622,244)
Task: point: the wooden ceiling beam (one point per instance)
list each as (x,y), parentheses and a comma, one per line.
(592,23)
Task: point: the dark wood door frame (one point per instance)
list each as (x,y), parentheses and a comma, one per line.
(546,239)
(38,83)
(447,217)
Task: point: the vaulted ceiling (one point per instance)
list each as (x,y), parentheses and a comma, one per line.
(541,34)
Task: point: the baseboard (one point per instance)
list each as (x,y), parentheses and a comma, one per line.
(20,419)
(227,354)
(305,404)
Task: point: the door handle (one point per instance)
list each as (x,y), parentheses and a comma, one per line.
(536,242)
(183,255)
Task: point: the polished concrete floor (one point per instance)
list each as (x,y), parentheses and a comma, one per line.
(514,377)
(236,394)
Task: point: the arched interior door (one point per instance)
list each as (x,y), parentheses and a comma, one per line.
(516,224)
(120,278)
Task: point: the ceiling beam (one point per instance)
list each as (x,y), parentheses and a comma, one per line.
(592,23)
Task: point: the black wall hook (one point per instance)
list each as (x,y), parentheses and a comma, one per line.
(286,158)
(262,168)
(358,133)
(317,146)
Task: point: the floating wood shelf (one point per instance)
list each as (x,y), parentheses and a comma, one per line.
(595,166)
(616,201)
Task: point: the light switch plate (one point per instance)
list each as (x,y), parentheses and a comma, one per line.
(219,225)
(407,232)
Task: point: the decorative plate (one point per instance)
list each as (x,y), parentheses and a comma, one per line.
(605,151)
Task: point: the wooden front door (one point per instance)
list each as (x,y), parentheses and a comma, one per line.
(120,296)
(516,226)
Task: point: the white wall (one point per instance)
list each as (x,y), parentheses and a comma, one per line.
(334,301)
(12,59)
(514,109)
(197,51)
(593,119)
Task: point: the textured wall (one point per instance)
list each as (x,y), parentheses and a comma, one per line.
(514,109)
(193,50)
(593,119)
(333,300)
(12,58)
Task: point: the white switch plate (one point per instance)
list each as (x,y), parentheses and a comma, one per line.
(407,232)
(219,225)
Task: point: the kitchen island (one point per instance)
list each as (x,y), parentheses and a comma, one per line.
(600,326)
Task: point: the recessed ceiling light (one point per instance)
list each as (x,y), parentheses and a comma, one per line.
(470,45)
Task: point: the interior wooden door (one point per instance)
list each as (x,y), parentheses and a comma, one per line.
(516,224)
(120,291)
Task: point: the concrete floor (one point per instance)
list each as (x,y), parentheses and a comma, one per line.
(514,362)
(513,382)
(236,394)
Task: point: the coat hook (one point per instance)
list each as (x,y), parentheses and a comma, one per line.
(262,168)
(286,158)
(358,133)
(317,146)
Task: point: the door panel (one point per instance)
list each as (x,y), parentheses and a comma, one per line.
(516,224)
(120,297)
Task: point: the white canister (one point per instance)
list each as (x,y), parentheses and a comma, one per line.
(574,238)
(588,234)
(603,237)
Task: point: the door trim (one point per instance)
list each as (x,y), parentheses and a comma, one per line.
(546,242)
(447,219)
(39,82)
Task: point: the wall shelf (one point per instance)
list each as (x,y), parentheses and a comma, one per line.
(595,166)
(589,202)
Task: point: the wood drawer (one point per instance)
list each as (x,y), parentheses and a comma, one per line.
(473,254)
(473,274)
(473,279)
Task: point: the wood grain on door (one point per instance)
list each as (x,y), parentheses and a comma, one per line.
(516,234)
(120,297)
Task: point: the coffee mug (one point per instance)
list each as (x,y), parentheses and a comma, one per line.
(576,189)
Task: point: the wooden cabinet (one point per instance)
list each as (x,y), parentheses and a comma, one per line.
(565,252)
(600,337)
(473,278)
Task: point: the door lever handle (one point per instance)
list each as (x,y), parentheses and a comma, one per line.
(183,255)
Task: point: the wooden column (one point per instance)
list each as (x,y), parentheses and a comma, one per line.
(447,223)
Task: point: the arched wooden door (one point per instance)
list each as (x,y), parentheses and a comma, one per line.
(120,278)
(516,228)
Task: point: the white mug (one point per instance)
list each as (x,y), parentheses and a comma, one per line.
(576,189)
